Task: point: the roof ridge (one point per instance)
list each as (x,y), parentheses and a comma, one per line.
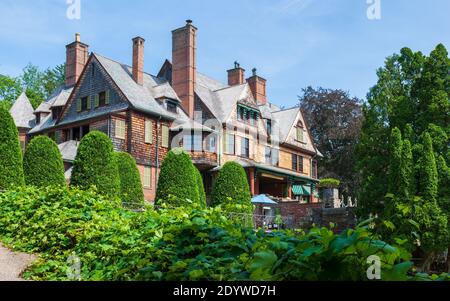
(228,87)
(283,110)
(122,64)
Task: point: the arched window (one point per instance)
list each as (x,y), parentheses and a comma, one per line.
(300,132)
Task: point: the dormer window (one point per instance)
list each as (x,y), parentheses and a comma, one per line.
(247,115)
(55,112)
(171,106)
(269,127)
(38,118)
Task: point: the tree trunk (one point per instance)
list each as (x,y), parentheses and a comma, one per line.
(428,260)
(448,260)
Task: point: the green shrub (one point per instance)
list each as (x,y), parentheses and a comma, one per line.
(180,244)
(95,165)
(177,183)
(232,193)
(11,160)
(43,164)
(130,179)
(201,188)
(330,183)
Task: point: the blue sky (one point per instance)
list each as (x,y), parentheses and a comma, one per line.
(292,43)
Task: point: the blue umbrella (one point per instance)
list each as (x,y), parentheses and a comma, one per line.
(263,199)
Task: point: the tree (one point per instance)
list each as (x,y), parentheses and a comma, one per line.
(130,180)
(11,168)
(43,165)
(395,158)
(410,85)
(177,183)
(201,188)
(10,90)
(406,175)
(95,165)
(428,175)
(334,119)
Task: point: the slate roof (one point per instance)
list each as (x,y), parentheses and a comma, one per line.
(68,150)
(285,120)
(22,112)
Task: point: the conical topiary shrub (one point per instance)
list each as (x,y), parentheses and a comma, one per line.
(11,160)
(42,163)
(177,182)
(200,187)
(95,165)
(131,191)
(231,191)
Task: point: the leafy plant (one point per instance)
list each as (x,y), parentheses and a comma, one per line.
(130,179)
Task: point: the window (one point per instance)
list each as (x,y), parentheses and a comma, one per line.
(85,104)
(211,144)
(192,143)
(165,136)
(269,127)
(240,113)
(171,106)
(38,118)
(247,115)
(66,135)
(299,136)
(147,177)
(275,157)
(120,129)
(267,155)
(229,144)
(76,134)
(56,111)
(294,162)
(101,99)
(148,131)
(300,164)
(245,147)
(314,169)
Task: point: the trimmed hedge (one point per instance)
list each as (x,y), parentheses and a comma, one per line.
(330,183)
(177,181)
(130,180)
(231,188)
(201,188)
(42,163)
(95,165)
(11,160)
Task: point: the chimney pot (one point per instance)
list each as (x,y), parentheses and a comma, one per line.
(77,37)
(236,76)
(189,21)
(258,87)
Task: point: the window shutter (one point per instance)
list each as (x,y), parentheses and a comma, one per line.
(165,136)
(79,105)
(88,105)
(96,100)
(107,96)
(148,131)
(147,177)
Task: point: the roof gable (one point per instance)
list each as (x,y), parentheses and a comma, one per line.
(22,112)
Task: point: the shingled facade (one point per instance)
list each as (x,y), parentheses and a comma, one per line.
(147,115)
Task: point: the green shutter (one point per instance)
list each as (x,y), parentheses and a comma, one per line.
(107,96)
(96,100)
(79,105)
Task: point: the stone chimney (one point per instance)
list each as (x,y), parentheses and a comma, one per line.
(236,76)
(184,65)
(138,60)
(258,87)
(77,54)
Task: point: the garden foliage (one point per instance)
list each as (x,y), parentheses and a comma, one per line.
(130,180)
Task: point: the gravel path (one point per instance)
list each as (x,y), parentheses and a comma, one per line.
(13,264)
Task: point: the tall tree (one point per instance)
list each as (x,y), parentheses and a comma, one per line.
(10,90)
(395,159)
(334,118)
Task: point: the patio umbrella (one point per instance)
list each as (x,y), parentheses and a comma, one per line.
(263,199)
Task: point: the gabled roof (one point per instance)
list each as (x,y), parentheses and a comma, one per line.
(22,112)
(285,120)
(141,97)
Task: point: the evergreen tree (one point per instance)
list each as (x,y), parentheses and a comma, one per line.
(406,174)
(130,180)
(95,165)
(177,183)
(43,165)
(428,176)
(201,188)
(11,160)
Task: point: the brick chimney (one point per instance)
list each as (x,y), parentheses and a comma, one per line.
(138,60)
(184,65)
(77,54)
(258,87)
(236,76)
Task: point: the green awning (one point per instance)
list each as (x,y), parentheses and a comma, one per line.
(303,190)
(297,189)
